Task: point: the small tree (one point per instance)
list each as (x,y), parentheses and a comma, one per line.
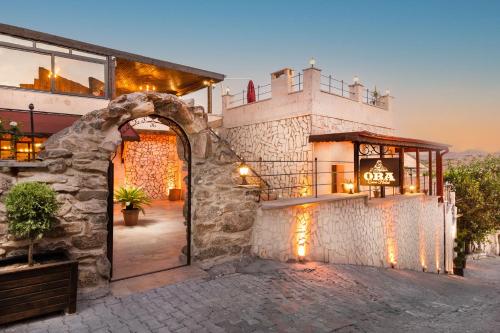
(477,187)
(31,209)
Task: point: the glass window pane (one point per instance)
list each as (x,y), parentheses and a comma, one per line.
(14,40)
(51,47)
(24,69)
(90,55)
(79,77)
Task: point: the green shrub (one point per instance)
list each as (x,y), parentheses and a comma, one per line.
(31,209)
(132,197)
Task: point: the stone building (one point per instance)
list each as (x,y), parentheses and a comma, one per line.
(105,118)
(307,137)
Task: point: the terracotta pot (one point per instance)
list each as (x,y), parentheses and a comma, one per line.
(130,216)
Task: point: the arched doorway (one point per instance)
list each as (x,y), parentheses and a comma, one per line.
(155,155)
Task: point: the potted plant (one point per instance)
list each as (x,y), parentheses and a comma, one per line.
(31,285)
(459,262)
(132,198)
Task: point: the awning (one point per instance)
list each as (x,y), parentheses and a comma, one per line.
(365,137)
(48,123)
(45,123)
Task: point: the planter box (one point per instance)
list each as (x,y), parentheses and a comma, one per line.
(33,291)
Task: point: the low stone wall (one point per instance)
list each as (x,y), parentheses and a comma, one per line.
(404,231)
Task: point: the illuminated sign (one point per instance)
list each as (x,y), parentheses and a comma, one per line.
(379,171)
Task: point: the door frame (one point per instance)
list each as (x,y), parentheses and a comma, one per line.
(181,134)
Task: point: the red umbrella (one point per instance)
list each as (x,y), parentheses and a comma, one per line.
(250,92)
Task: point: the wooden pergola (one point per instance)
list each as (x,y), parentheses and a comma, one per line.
(380,144)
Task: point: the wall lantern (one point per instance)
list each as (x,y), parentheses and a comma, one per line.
(244,170)
(349,187)
(393,264)
(355,79)
(412,188)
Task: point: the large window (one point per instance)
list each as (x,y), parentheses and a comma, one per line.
(78,77)
(22,69)
(39,66)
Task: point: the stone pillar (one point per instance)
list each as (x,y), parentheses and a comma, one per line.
(312,80)
(356,91)
(281,82)
(385,101)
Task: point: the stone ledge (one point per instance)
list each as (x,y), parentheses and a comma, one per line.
(19,164)
(400,197)
(310,200)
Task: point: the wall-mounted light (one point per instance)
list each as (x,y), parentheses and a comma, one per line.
(393,264)
(412,188)
(312,62)
(387,92)
(424,269)
(349,187)
(301,252)
(355,79)
(244,170)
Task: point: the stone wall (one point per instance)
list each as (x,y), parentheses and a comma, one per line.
(280,140)
(406,231)
(288,140)
(324,125)
(75,163)
(153,164)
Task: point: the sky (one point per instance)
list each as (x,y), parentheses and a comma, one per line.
(439,59)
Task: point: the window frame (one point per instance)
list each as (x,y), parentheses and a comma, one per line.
(54,54)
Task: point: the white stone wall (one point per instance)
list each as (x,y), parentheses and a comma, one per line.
(324,125)
(279,140)
(404,230)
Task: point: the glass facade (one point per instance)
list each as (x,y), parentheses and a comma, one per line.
(45,67)
(23,69)
(79,77)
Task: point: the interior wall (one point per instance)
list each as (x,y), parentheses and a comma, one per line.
(151,163)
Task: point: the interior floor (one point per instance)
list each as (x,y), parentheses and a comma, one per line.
(154,244)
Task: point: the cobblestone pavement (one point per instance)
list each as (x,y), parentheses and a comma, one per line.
(268,296)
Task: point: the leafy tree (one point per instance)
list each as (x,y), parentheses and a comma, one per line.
(477,187)
(31,209)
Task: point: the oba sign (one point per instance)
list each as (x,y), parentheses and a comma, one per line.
(379,171)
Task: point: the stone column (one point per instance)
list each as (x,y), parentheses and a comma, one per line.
(385,101)
(281,82)
(312,80)
(356,91)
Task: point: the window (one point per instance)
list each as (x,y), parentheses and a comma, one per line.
(79,77)
(23,148)
(22,69)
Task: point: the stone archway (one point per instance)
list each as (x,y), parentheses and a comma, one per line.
(75,162)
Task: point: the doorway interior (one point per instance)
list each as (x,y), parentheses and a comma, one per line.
(153,156)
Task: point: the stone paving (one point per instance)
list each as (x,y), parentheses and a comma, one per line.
(269,296)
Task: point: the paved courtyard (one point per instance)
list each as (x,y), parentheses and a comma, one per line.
(268,296)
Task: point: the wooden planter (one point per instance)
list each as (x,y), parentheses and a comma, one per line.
(33,291)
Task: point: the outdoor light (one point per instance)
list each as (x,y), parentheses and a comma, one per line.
(387,92)
(244,170)
(301,251)
(350,187)
(393,264)
(228,91)
(355,79)
(412,188)
(424,269)
(312,62)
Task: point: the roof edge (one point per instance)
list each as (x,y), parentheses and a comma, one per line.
(20,32)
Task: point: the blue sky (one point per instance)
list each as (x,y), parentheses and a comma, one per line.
(440,59)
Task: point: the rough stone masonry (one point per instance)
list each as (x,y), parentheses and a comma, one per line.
(75,163)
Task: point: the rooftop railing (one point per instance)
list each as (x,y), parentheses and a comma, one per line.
(261,92)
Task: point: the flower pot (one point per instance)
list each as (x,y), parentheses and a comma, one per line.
(48,286)
(130,216)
